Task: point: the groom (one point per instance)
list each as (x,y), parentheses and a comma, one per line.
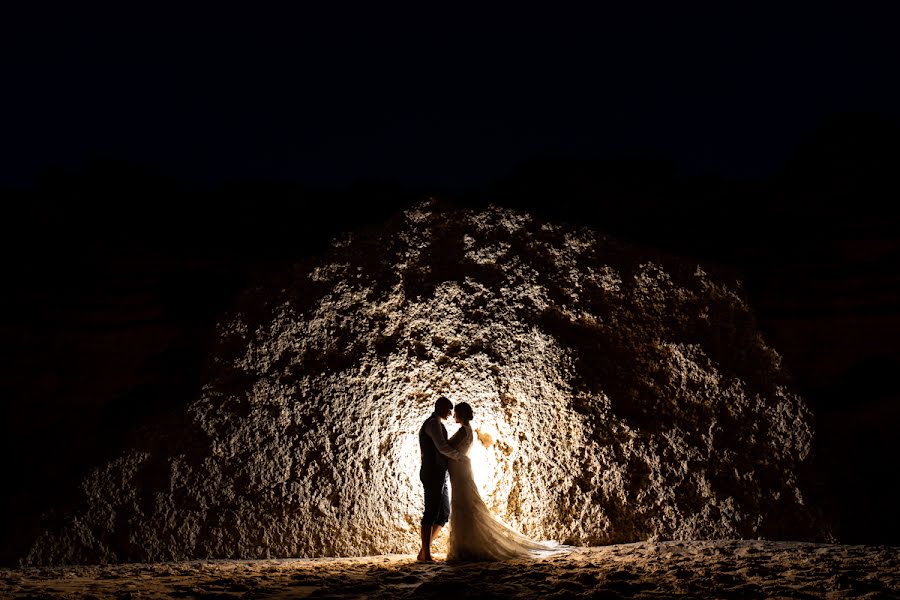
(435,451)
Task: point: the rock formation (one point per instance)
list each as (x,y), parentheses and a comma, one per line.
(619,396)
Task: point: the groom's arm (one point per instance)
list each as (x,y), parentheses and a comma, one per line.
(434,432)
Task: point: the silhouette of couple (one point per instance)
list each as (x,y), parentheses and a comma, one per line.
(475,534)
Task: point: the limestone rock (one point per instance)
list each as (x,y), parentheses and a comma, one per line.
(619,396)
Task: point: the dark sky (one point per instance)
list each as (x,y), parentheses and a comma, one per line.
(434,94)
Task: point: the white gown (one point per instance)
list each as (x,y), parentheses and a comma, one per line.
(475,534)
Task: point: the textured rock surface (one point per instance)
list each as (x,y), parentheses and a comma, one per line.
(620,396)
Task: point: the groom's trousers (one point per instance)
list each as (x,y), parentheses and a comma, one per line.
(437,497)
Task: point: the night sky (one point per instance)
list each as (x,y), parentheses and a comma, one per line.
(431,96)
(167,156)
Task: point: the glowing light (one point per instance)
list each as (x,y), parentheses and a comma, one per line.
(485,466)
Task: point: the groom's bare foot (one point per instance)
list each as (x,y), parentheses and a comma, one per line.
(423,557)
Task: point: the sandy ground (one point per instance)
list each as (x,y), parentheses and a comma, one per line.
(703,569)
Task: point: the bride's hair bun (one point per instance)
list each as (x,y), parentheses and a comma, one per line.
(465,411)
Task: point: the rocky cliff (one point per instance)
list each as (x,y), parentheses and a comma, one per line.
(619,396)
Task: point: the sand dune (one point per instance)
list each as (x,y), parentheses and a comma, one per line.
(700,569)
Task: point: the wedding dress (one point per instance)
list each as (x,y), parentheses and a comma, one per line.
(475,534)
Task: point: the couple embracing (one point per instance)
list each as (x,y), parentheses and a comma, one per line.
(475,534)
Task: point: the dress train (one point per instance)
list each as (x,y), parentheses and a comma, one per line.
(475,533)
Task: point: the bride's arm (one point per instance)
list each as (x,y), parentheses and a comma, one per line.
(457,438)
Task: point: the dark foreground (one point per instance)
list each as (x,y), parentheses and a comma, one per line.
(703,569)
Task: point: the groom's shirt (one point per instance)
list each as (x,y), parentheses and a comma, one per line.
(438,434)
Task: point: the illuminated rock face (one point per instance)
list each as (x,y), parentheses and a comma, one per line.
(620,396)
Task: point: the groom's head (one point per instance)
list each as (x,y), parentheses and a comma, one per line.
(443,407)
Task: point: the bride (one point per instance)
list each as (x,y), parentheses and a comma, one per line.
(475,534)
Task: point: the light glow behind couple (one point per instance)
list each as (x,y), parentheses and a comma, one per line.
(475,533)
